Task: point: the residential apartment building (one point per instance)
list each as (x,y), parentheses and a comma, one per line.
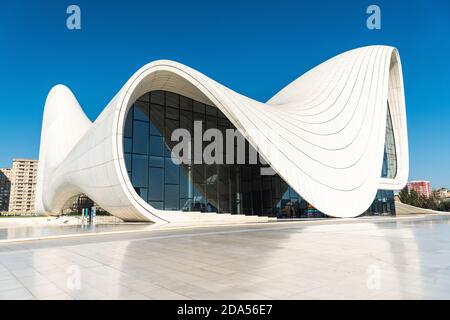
(5,188)
(420,186)
(23,185)
(443,193)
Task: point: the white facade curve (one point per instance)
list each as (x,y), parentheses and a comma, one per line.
(330,126)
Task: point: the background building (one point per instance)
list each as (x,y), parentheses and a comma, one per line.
(420,186)
(5,188)
(23,185)
(443,193)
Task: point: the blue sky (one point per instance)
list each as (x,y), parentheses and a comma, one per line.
(253,47)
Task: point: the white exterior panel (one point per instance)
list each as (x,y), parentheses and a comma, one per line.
(323,134)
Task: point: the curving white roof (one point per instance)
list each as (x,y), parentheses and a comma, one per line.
(323,134)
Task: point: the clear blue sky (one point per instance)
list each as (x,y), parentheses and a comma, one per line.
(254,47)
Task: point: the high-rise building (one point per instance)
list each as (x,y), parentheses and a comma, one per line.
(23,185)
(5,188)
(420,186)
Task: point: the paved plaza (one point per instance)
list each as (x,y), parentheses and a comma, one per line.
(363,259)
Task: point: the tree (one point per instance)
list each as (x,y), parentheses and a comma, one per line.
(418,200)
(414,199)
(404,196)
(430,202)
(444,205)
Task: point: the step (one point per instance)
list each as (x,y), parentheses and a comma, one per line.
(197,216)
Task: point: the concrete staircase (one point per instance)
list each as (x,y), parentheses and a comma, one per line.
(212,217)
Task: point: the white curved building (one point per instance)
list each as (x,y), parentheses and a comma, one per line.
(333,137)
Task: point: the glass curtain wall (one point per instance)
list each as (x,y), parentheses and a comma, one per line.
(383,205)
(228,188)
(389,169)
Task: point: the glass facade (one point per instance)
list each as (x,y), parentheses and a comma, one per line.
(224,188)
(228,188)
(383,205)
(389,169)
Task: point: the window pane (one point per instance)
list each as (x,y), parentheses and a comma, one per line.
(171,172)
(157,97)
(224,123)
(276,191)
(186,190)
(199,173)
(292,193)
(171,201)
(211,123)
(171,125)
(186,121)
(256,195)
(139,170)
(156,162)
(155,184)
(266,192)
(185,103)
(224,188)
(140,137)
(211,111)
(157,204)
(141,111)
(199,201)
(172,99)
(220,114)
(198,107)
(156,146)
(157,120)
(211,187)
(127,144)
(172,113)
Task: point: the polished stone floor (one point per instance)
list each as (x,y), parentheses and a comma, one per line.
(397,259)
(42,231)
